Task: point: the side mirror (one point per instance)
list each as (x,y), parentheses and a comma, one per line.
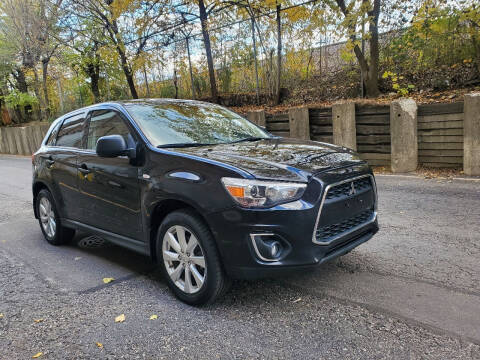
(111,146)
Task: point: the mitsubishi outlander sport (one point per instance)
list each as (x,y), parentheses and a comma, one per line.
(208,195)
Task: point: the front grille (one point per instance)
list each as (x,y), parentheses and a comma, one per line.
(346,188)
(326,232)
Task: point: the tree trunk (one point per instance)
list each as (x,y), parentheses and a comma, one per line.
(257,87)
(175,82)
(19,76)
(36,90)
(128,72)
(369,71)
(120,46)
(45,87)
(279,55)
(146,80)
(371,83)
(190,68)
(21,85)
(94,78)
(208,50)
(60,96)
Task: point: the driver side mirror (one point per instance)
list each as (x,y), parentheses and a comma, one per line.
(111,146)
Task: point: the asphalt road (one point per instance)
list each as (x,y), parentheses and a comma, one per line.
(413,291)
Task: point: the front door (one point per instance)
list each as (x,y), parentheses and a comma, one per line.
(109,186)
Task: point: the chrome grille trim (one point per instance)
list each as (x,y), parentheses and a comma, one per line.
(327,188)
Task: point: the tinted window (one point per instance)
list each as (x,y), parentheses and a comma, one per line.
(71,132)
(53,135)
(107,122)
(187,122)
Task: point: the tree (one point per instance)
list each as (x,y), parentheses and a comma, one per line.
(352,18)
(129,26)
(204,13)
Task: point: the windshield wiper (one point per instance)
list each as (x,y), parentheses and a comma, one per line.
(251,138)
(181,145)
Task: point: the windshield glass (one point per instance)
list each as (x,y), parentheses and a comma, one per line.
(192,123)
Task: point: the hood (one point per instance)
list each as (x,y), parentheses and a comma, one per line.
(279,158)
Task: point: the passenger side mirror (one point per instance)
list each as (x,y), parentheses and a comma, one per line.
(111,146)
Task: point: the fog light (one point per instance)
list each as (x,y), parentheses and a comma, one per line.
(269,247)
(274,249)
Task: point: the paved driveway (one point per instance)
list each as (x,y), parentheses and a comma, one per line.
(413,291)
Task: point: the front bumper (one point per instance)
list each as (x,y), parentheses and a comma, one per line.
(295,223)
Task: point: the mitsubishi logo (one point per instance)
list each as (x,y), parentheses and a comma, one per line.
(352,191)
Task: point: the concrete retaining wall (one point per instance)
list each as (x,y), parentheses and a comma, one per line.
(23,140)
(446,134)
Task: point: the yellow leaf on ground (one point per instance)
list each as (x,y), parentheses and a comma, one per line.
(1,315)
(107,280)
(100,345)
(37,355)
(36,321)
(120,318)
(153,317)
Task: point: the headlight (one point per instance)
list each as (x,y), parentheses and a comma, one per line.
(259,193)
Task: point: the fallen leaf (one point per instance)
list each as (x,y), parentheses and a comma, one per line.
(37,355)
(36,321)
(107,280)
(120,318)
(295,301)
(153,317)
(100,345)
(1,315)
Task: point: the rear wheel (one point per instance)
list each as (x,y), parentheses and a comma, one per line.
(189,259)
(50,223)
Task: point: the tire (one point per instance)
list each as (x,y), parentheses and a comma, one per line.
(52,228)
(194,292)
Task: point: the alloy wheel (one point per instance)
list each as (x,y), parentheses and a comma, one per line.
(47,217)
(184,259)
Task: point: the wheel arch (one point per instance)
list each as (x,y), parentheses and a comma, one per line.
(160,211)
(36,188)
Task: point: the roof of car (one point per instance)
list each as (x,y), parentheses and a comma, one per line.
(136,101)
(160,101)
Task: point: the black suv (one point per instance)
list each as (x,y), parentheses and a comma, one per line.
(207,194)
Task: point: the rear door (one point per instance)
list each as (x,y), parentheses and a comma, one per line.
(61,164)
(109,186)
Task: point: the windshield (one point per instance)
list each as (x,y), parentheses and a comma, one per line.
(184,123)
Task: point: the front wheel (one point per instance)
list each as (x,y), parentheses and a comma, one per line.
(189,259)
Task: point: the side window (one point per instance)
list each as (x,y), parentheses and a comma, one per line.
(107,122)
(53,136)
(70,134)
